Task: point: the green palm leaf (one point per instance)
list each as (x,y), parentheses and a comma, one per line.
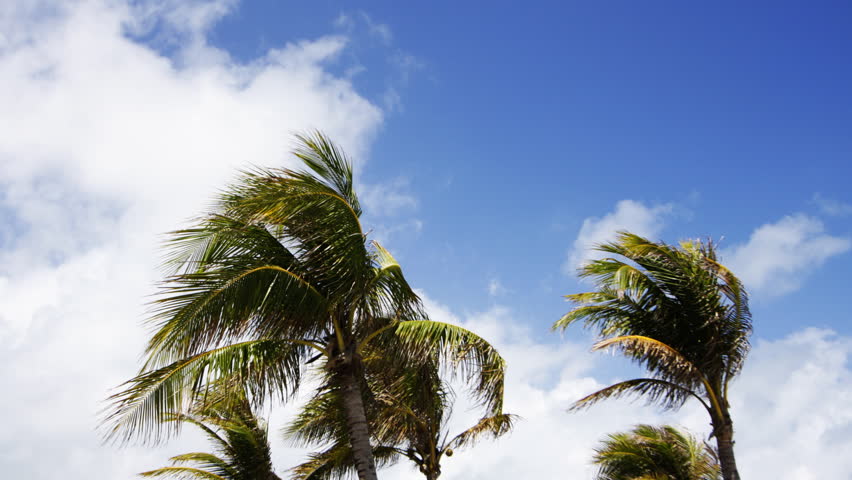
(239,438)
(182,473)
(678,312)
(279,270)
(648,452)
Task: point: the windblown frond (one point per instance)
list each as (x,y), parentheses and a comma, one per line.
(658,357)
(469,356)
(493,426)
(337,463)
(666,394)
(281,273)
(676,310)
(649,452)
(408,409)
(239,439)
(182,473)
(145,404)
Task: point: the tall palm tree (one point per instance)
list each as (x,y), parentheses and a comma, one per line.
(238,435)
(408,412)
(655,453)
(279,269)
(678,312)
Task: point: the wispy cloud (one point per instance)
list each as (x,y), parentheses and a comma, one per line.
(400,65)
(388,198)
(349,21)
(832,207)
(496,288)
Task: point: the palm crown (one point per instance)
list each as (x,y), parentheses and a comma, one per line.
(409,408)
(649,452)
(678,312)
(282,268)
(238,436)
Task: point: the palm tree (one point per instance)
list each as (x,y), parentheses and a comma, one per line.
(239,438)
(678,312)
(282,268)
(408,412)
(655,453)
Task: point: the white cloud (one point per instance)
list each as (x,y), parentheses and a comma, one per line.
(108,143)
(628,215)
(778,256)
(402,63)
(387,198)
(831,207)
(792,407)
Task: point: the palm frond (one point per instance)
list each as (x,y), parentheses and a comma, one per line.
(201,310)
(326,160)
(321,224)
(493,426)
(337,463)
(142,407)
(238,434)
(182,473)
(204,461)
(470,356)
(390,294)
(666,394)
(656,356)
(674,309)
(651,452)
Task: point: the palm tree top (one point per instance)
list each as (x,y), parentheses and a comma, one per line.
(238,436)
(681,297)
(280,272)
(409,405)
(655,453)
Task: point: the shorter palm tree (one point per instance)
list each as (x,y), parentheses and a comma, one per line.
(679,313)
(408,409)
(238,435)
(655,453)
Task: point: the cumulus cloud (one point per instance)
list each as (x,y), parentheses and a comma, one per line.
(108,143)
(778,256)
(628,215)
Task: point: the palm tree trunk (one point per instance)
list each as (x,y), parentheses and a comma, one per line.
(356,421)
(725,445)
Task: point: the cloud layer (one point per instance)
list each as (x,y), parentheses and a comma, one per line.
(792,407)
(779,256)
(108,143)
(774,261)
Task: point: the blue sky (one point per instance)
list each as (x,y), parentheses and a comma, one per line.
(517,124)
(494,144)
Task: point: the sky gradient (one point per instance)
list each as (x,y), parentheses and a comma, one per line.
(493,144)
